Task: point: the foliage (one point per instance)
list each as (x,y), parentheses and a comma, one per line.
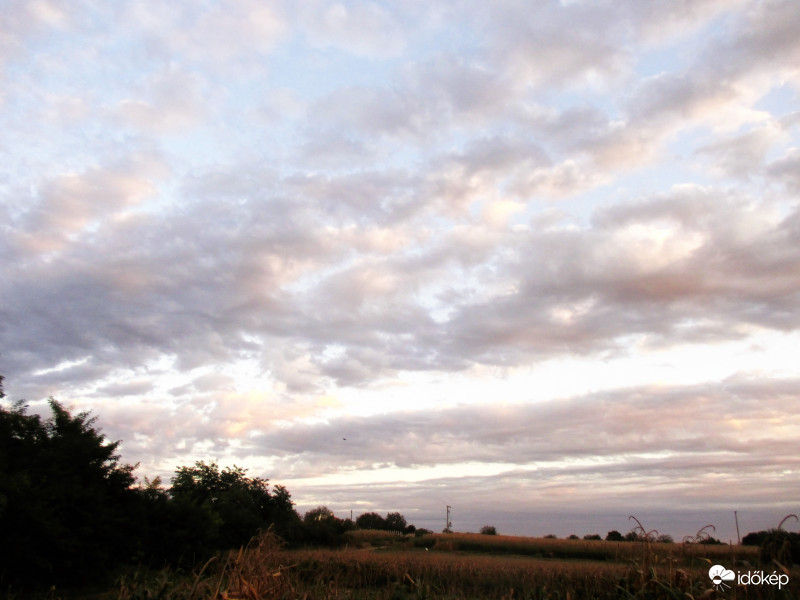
(321,526)
(319,514)
(371,520)
(395,522)
(232,506)
(65,498)
(70,511)
(420,531)
(489,530)
(779,546)
(614,536)
(400,572)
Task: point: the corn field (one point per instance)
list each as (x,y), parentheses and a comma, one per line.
(264,570)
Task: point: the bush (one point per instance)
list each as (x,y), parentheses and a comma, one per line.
(780,546)
(68,510)
(488,530)
(235,506)
(371,520)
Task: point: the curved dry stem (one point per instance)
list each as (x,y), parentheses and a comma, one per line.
(646,535)
(639,523)
(197,579)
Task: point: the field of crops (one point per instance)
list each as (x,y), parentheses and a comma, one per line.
(377,566)
(598,550)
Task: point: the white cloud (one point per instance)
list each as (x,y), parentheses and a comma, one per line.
(366,29)
(266,227)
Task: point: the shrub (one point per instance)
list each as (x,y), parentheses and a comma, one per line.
(68,510)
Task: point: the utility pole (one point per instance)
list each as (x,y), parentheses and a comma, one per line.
(448,525)
(738,539)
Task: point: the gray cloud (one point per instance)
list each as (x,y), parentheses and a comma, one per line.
(722,426)
(644,451)
(237,223)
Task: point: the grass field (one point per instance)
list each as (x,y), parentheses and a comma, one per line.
(377,565)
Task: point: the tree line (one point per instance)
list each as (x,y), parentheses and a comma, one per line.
(71,511)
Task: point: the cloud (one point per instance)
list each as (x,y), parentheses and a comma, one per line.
(234,37)
(689,264)
(542,46)
(640,450)
(785,169)
(620,432)
(246,233)
(172,100)
(365,29)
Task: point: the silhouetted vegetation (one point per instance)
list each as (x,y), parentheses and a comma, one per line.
(71,512)
(68,508)
(776,545)
(371,520)
(322,527)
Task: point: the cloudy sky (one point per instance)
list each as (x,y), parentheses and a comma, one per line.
(539,261)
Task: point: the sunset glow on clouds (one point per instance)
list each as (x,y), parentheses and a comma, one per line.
(537,261)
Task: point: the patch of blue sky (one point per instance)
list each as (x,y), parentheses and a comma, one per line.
(781,101)
(314,73)
(674,57)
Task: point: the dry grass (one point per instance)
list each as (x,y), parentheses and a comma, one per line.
(371,537)
(265,570)
(446,575)
(597,550)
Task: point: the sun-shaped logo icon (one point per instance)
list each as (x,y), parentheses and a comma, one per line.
(719,575)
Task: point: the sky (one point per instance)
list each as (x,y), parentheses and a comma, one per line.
(537,261)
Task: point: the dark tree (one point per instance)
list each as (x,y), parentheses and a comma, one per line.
(754,538)
(614,536)
(321,514)
(371,520)
(65,499)
(235,506)
(321,526)
(489,530)
(395,522)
